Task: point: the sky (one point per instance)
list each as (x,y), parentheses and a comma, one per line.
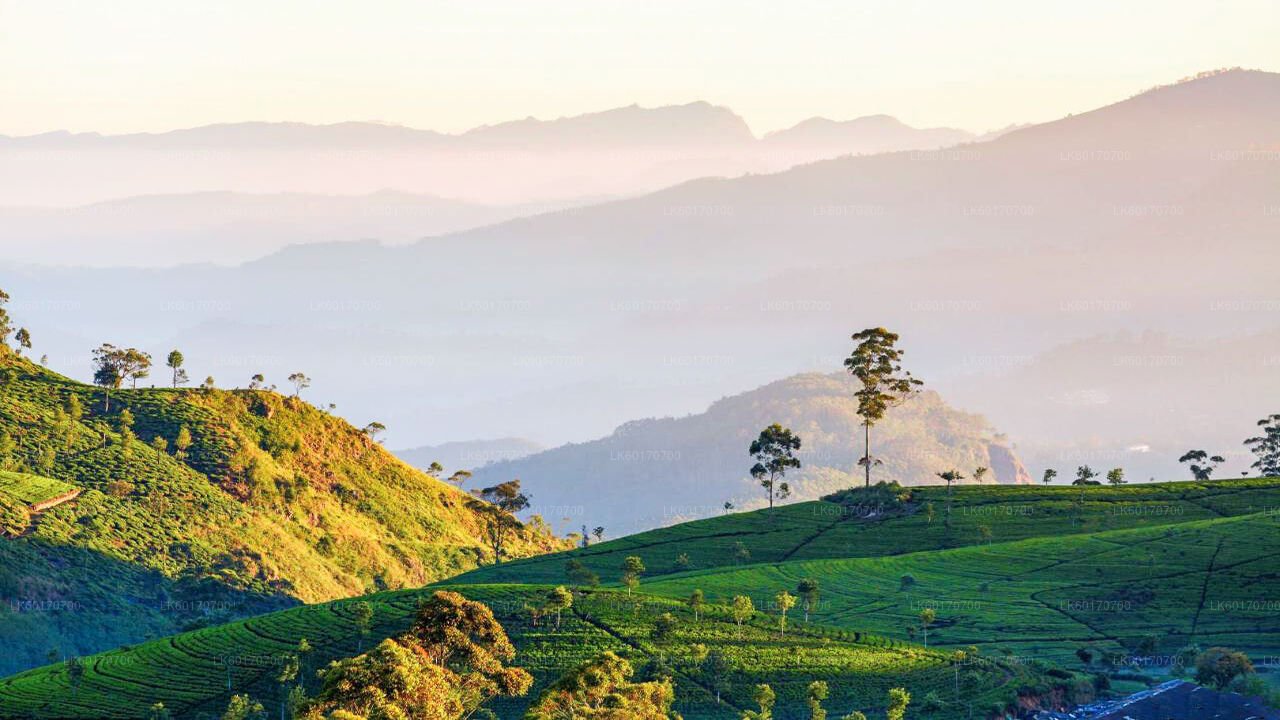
(134,66)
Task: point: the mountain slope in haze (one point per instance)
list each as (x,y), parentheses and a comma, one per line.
(227,227)
(656,472)
(273,503)
(864,135)
(1153,213)
(468,454)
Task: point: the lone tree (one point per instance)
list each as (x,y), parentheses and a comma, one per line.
(743,609)
(300,382)
(1200,471)
(764,697)
(23,338)
(774,453)
(113,365)
(559,599)
(807,589)
(898,701)
(785,601)
(1049,475)
(877,363)
(814,694)
(927,616)
(632,569)
(1115,476)
(497,506)
(1266,447)
(950,476)
(1085,476)
(174,362)
(696,600)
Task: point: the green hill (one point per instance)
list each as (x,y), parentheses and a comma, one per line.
(273,503)
(870,524)
(1206,582)
(196,672)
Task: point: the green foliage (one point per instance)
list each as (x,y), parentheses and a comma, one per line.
(602,689)
(774,453)
(1218,666)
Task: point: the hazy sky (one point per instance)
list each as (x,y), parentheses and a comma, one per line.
(127,65)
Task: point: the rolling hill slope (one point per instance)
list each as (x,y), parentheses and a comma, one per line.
(849,525)
(273,503)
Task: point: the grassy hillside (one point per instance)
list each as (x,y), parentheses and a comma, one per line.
(1206,582)
(273,503)
(858,524)
(196,672)
(655,472)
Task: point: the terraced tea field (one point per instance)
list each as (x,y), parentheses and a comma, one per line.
(194,673)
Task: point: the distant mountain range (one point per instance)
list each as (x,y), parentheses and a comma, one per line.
(1156,213)
(655,472)
(625,151)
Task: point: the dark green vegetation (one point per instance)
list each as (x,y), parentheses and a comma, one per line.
(190,673)
(199,506)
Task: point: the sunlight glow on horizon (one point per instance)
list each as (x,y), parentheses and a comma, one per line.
(153,66)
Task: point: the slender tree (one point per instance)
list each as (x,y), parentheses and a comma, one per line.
(743,609)
(174,362)
(814,694)
(361,617)
(927,616)
(1266,447)
(764,697)
(6,322)
(774,453)
(898,701)
(300,382)
(877,363)
(23,339)
(559,599)
(696,601)
(632,569)
(807,589)
(1049,475)
(950,476)
(497,506)
(785,601)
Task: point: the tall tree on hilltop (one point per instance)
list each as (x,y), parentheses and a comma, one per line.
(1266,447)
(950,476)
(23,338)
(497,506)
(1115,476)
(1196,457)
(174,362)
(300,382)
(6,323)
(877,363)
(107,372)
(774,453)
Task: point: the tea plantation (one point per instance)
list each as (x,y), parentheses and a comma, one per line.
(194,673)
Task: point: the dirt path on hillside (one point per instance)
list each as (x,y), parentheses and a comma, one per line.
(37,510)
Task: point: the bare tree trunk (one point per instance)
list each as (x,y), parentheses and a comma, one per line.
(866,450)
